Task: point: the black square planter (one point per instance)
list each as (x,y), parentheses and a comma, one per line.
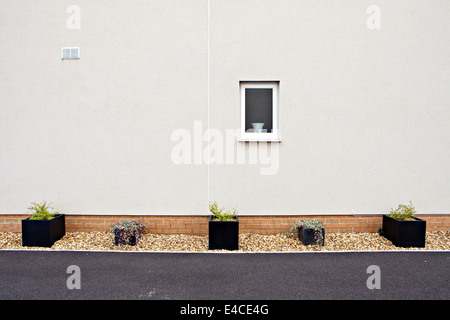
(224,234)
(307,236)
(405,233)
(43,233)
(118,239)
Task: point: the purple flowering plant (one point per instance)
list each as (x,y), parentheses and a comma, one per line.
(127,232)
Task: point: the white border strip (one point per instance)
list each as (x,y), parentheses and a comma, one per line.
(230,252)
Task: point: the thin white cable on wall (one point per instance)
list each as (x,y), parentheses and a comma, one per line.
(209,27)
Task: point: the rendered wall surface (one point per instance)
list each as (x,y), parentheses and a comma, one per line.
(364,113)
(94,135)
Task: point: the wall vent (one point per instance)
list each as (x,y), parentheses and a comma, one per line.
(70,53)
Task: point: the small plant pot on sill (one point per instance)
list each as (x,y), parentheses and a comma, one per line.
(405,233)
(308,236)
(223,234)
(43,233)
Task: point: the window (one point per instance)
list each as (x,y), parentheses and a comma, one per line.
(259,111)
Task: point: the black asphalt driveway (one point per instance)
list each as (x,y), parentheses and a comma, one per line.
(219,276)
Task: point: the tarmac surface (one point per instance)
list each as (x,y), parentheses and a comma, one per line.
(417,275)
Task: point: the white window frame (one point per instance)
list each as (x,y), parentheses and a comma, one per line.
(77,57)
(264,136)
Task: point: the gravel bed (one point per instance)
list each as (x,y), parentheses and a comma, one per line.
(438,240)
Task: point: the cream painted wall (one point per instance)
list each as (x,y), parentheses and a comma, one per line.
(364,114)
(94,135)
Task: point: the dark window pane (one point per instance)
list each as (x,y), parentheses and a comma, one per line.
(258,108)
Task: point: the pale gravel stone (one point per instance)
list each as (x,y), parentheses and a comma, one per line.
(437,240)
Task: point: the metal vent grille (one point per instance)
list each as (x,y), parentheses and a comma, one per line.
(70,53)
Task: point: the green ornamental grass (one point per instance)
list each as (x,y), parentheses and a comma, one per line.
(403,212)
(220,213)
(41,211)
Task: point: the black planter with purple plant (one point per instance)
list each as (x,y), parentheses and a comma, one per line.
(310,236)
(309,232)
(127,232)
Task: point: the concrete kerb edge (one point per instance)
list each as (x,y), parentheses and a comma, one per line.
(223,252)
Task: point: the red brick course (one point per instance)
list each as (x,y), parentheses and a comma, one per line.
(198,225)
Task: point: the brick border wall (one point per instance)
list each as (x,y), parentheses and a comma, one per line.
(198,225)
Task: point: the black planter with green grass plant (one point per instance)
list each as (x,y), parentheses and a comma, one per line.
(403,228)
(223,229)
(43,228)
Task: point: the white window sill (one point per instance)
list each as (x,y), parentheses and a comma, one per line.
(259,140)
